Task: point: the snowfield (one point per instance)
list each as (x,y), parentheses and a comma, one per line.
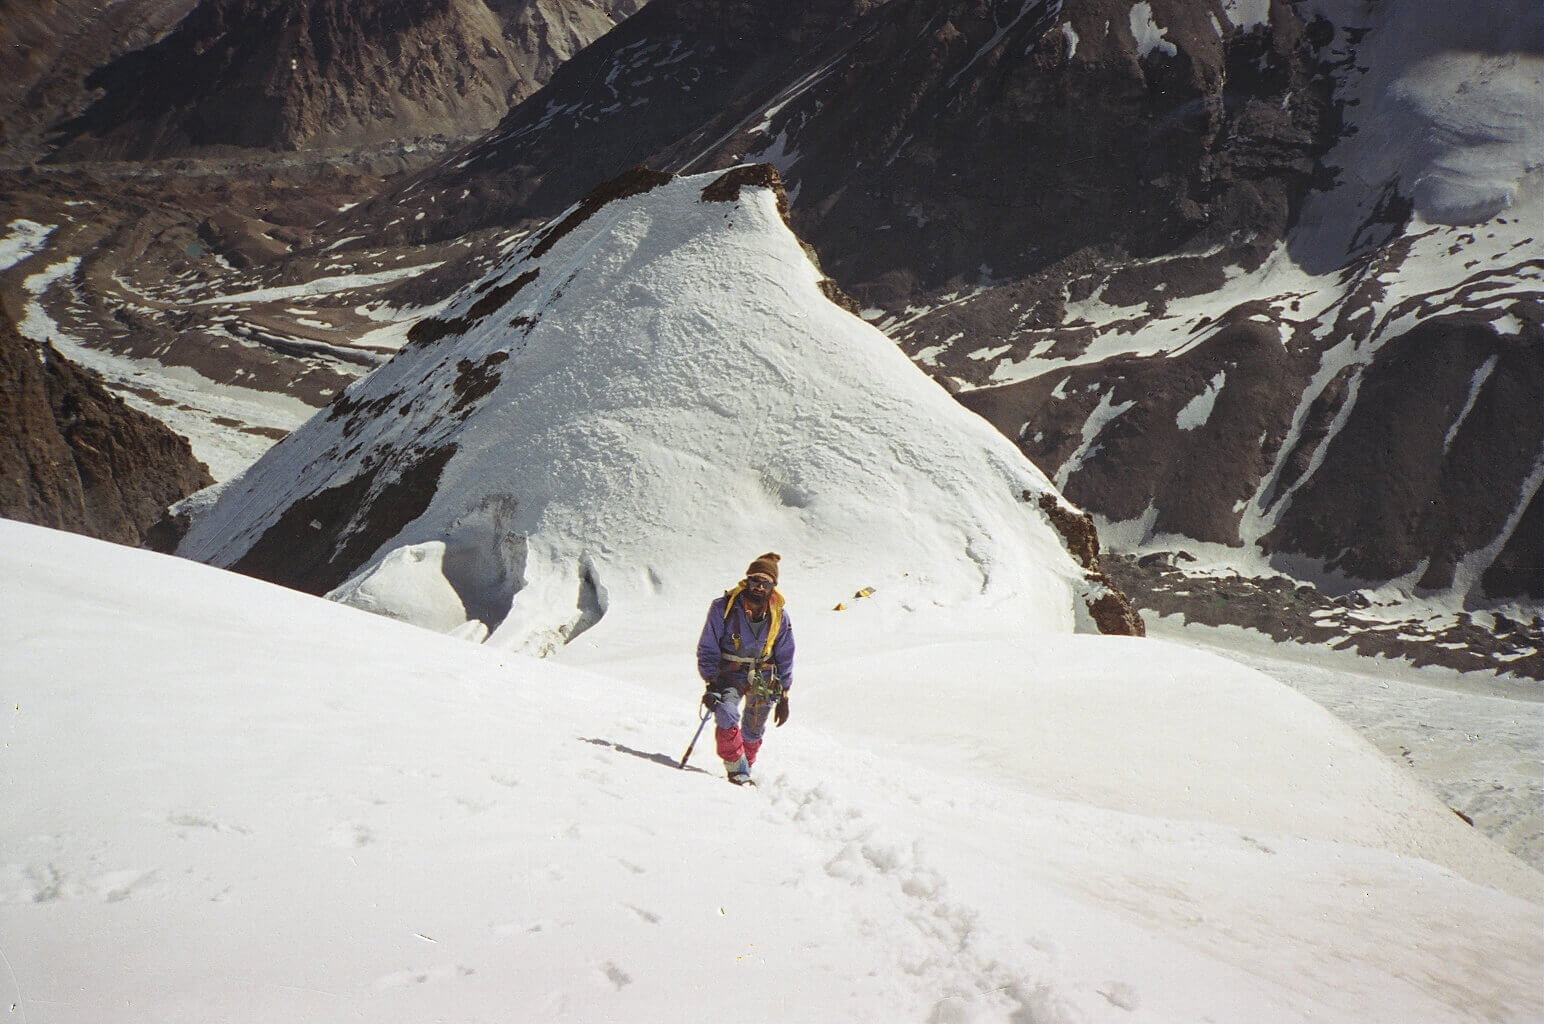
(229,801)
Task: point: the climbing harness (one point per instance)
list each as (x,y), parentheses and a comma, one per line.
(761,682)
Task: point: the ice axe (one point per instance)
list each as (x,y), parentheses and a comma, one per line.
(706,714)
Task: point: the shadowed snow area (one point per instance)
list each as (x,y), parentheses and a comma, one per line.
(1445,100)
(228,800)
(602,416)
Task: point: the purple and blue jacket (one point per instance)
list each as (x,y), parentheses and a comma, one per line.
(729,631)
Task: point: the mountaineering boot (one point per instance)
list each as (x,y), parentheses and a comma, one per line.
(739,772)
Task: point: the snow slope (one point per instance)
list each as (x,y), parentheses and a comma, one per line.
(662,365)
(227,800)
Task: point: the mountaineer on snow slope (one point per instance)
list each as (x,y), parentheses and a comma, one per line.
(746,654)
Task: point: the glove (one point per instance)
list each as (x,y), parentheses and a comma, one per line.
(710,698)
(780,715)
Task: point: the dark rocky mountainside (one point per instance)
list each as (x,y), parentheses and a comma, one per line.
(1407,472)
(678,71)
(328,74)
(74,457)
(960,142)
(49,48)
(962,134)
(1013,188)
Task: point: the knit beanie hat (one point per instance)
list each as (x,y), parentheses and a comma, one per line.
(766,565)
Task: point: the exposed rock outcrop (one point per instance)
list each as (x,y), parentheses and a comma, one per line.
(1108,606)
(75,457)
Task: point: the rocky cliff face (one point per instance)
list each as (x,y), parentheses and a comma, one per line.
(328,74)
(928,144)
(961,143)
(74,457)
(680,74)
(51,45)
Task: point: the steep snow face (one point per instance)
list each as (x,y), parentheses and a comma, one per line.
(653,388)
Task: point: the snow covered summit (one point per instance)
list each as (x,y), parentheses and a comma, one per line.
(645,394)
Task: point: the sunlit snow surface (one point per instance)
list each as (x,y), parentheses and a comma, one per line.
(225,800)
(667,367)
(22,238)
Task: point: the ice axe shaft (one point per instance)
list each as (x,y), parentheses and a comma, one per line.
(692,745)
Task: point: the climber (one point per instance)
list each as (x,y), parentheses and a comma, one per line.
(746,654)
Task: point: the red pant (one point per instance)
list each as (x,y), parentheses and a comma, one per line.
(738,735)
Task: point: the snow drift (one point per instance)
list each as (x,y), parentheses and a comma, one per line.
(660,362)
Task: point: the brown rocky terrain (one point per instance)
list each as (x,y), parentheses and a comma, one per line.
(1166,585)
(327,74)
(49,48)
(154,246)
(74,457)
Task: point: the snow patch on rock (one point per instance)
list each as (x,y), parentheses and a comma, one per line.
(1149,36)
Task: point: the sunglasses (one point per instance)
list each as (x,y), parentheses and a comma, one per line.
(759,586)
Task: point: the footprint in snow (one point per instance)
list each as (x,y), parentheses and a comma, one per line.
(422,976)
(1120,995)
(350,835)
(942,947)
(647,915)
(117,886)
(187,819)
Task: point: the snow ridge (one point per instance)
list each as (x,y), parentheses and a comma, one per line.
(654,363)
